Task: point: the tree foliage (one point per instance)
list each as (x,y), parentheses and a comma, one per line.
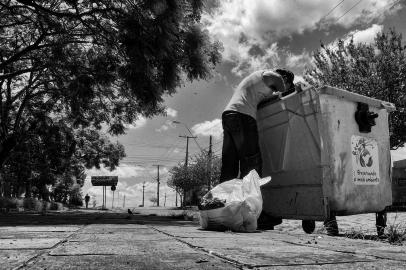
(53,160)
(196,176)
(375,70)
(91,62)
(154,200)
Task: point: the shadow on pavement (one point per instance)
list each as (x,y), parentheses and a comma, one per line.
(84,218)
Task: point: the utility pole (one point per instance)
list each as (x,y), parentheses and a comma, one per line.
(124,202)
(209,164)
(143,188)
(165,200)
(118,198)
(186,161)
(112,202)
(157,189)
(176,197)
(187,147)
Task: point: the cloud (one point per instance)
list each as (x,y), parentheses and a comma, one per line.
(168,124)
(208,128)
(298,61)
(365,36)
(124,170)
(137,124)
(249,61)
(162,128)
(171,112)
(250,30)
(177,151)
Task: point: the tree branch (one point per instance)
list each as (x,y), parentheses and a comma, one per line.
(22,52)
(19,72)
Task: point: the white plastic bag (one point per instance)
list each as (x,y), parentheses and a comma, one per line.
(243,204)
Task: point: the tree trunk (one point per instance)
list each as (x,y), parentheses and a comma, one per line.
(28,193)
(6,146)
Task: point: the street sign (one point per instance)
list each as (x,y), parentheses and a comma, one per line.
(104,180)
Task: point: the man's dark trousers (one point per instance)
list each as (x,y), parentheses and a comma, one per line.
(241,150)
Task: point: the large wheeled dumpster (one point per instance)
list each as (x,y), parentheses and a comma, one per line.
(328,153)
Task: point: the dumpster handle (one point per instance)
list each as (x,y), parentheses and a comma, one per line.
(390,107)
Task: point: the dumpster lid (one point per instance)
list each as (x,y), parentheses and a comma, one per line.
(329,90)
(399,163)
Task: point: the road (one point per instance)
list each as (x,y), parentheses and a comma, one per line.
(111,240)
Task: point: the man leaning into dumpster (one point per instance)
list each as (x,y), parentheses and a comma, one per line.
(241,152)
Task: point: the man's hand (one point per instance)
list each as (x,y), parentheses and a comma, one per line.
(277,94)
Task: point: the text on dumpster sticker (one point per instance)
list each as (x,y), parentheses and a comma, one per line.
(365,161)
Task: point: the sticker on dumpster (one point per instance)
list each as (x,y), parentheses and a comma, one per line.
(365,161)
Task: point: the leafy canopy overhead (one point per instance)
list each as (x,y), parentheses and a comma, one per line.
(91,62)
(375,70)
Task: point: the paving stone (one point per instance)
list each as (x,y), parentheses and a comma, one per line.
(10,259)
(118,247)
(150,261)
(33,243)
(119,236)
(7,229)
(20,235)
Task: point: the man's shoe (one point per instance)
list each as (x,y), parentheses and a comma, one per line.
(267,222)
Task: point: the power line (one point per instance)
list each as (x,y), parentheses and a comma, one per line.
(168,154)
(348,10)
(192,136)
(146,156)
(331,10)
(149,146)
(172,146)
(214,144)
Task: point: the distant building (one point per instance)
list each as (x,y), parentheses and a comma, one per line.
(399,183)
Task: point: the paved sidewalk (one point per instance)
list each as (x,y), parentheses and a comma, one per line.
(105,240)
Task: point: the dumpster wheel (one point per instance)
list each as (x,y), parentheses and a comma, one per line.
(308,226)
(331,226)
(381,218)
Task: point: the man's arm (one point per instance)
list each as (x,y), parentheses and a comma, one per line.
(274,97)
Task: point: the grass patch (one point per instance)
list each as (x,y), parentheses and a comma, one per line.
(395,234)
(185,215)
(357,234)
(28,204)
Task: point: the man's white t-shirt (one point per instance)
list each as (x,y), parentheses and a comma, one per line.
(253,89)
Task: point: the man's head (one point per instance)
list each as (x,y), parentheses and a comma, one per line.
(288,78)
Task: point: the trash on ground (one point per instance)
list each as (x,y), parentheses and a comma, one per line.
(233,205)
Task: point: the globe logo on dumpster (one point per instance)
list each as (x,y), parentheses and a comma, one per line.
(365,160)
(362,154)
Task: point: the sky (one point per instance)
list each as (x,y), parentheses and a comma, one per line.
(255,35)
